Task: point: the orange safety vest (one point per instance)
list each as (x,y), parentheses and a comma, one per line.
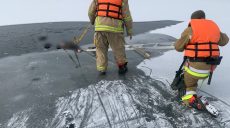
(204,41)
(110,8)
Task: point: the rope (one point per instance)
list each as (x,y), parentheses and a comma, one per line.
(77,40)
(77,58)
(74,61)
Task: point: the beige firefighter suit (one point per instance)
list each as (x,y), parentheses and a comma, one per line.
(191,81)
(109,31)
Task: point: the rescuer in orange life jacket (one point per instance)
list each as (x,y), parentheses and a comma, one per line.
(200,42)
(109,18)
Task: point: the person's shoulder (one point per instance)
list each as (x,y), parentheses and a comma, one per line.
(187,31)
(189,28)
(94,1)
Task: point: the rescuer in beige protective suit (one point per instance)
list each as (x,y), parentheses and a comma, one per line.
(200,42)
(109,18)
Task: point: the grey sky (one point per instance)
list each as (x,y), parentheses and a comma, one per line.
(33,11)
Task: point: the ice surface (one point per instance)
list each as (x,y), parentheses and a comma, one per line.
(138,102)
(57,101)
(35,81)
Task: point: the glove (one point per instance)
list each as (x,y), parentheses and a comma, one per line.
(130,35)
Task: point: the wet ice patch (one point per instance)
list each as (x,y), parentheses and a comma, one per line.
(162,68)
(150,38)
(170,30)
(35,64)
(18,98)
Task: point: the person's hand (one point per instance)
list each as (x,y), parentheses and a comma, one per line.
(92,23)
(130,35)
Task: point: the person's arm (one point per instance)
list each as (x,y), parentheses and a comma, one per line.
(223,39)
(183,40)
(127,18)
(92,12)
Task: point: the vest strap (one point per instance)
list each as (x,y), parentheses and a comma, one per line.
(108,10)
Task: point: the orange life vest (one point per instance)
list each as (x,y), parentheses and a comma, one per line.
(204,41)
(110,8)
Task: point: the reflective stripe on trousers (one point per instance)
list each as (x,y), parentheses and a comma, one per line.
(195,72)
(101,68)
(188,95)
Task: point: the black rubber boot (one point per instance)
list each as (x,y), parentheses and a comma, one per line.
(123,69)
(102,73)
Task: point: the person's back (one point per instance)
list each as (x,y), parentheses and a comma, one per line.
(109,18)
(200,43)
(112,20)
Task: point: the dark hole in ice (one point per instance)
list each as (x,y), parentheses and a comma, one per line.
(36,79)
(42,38)
(47,45)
